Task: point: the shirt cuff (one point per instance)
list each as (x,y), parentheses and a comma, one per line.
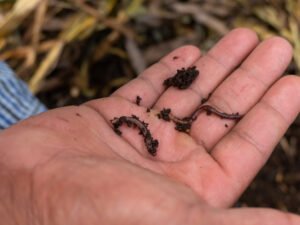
(16,100)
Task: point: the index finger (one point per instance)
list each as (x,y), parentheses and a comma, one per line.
(148,85)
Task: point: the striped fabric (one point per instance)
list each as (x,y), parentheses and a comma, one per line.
(16,101)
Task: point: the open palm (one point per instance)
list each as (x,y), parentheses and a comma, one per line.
(194,177)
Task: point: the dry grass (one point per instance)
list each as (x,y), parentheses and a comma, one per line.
(35,33)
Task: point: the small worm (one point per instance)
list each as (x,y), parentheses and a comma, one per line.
(210,109)
(151,144)
(185,123)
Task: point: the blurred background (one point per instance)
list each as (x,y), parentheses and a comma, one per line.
(71,51)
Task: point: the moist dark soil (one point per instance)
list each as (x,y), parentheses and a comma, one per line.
(183,78)
(138,100)
(164,114)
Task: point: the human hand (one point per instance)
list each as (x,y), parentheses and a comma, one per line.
(68,166)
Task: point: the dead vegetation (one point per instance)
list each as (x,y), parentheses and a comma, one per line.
(70,51)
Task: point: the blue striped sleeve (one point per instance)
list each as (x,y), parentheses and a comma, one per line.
(16,100)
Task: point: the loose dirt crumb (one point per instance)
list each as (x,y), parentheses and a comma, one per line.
(164,114)
(138,100)
(183,78)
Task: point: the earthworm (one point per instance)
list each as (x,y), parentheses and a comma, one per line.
(151,144)
(185,123)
